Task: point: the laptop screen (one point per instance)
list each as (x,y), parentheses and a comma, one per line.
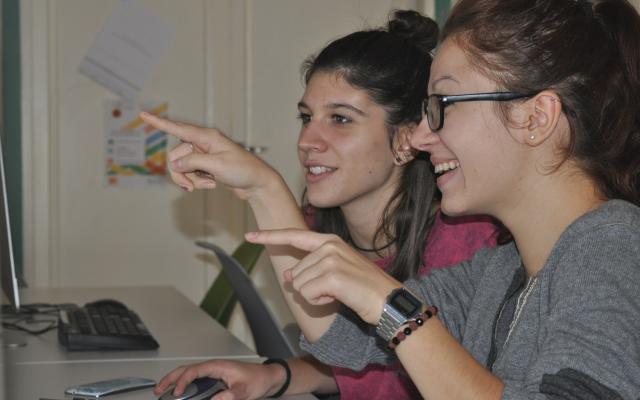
(7,260)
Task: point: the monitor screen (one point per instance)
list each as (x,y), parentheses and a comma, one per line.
(7,261)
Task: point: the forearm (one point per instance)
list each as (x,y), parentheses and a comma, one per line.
(275,207)
(309,375)
(442,369)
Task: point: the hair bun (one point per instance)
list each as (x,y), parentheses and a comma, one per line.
(413,26)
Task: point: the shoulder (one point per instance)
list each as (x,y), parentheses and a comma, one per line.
(598,252)
(609,232)
(453,240)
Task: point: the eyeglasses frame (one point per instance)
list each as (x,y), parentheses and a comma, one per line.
(446,100)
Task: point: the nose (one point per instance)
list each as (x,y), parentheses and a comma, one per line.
(311,138)
(423,138)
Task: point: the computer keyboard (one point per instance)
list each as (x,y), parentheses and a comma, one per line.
(103,325)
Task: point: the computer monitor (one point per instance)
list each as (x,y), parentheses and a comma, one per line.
(7,261)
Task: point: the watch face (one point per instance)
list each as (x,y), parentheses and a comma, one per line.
(405,303)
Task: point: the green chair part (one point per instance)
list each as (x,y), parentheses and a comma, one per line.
(220,299)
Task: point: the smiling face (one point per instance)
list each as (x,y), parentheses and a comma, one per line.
(479,162)
(344,146)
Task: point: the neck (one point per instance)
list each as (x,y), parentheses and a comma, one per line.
(363,218)
(537,220)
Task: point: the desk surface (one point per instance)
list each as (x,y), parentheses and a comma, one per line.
(43,369)
(181,328)
(48,381)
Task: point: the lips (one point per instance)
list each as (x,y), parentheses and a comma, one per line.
(317,172)
(319,169)
(443,167)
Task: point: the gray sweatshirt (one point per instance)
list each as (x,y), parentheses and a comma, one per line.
(572,332)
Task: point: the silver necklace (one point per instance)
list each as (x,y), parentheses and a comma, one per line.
(522,301)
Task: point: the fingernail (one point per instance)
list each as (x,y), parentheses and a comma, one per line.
(176,163)
(288,275)
(185,188)
(209,184)
(251,235)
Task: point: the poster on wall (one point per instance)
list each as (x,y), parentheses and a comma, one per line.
(136,153)
(127,49)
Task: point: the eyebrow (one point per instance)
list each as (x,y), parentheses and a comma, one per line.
(334,106)
(442,78)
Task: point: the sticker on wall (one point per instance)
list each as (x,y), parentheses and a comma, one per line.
(136,153)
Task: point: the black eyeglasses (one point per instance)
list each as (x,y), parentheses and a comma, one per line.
(434,105)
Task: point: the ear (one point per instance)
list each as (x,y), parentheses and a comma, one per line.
(542,118)
(401,144)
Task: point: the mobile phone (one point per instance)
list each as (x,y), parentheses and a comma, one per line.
(110,386)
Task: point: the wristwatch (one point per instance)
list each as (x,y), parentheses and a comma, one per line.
(401,307)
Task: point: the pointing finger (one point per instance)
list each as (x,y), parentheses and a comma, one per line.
(184,132)
(301,239)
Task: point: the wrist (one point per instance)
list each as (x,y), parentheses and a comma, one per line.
(271,186)
(281,376)
(399,308)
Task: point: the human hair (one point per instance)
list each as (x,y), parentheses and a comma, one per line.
(586,52)
(392,66)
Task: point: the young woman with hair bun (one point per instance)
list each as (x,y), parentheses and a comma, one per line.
(364,186)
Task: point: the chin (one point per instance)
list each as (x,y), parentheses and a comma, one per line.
(322,203)
(453,209)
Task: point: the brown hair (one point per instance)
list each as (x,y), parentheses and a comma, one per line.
(587,52)
(391,64)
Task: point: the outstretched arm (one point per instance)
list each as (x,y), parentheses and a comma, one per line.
(333,271)
(205,158)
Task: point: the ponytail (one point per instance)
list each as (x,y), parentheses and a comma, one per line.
(616,163)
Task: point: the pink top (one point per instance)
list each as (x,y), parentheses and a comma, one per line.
(451,241)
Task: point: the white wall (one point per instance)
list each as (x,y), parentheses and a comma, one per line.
(234,64)
(79,233)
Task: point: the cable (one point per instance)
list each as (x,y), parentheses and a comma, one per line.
(30,319)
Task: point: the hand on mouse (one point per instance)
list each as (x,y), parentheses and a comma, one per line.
(246,381)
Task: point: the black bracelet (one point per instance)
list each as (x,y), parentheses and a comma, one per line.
(287,381)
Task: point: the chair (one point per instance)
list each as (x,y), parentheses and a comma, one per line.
(271,341)
(220,299)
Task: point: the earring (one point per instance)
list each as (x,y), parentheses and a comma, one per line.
(532,137)
(403,157)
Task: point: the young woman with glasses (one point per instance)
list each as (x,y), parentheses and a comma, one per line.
(534,118)
(363,185)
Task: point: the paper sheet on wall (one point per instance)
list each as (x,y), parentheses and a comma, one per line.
(127,49)
(136,153)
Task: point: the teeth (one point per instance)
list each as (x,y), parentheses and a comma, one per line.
(446,166)
(317,170)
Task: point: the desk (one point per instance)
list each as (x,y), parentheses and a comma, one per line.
(183,330)
(43,369)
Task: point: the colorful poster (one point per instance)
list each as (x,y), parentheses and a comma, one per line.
(136,153)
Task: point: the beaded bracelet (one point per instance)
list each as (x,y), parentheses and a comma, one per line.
(411,326)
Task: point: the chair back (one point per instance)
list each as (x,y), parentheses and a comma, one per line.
(269,338)
(220,299)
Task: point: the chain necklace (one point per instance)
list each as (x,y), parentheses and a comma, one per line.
(375,249)
(522,301)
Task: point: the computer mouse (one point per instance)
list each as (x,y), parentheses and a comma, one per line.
(199,389)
